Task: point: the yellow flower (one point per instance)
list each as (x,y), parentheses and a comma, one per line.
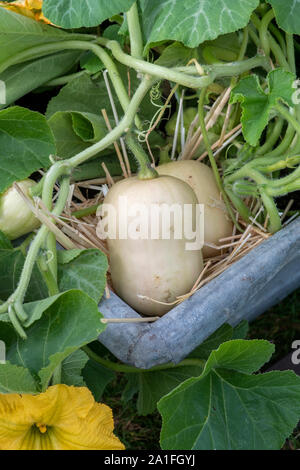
(30,8)
(62,418)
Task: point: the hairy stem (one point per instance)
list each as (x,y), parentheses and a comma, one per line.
(272,138)
(145,170)
(263,31)
(117,367)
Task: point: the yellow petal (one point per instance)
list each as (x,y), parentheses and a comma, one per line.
(30,8)
(62,418)
(18,7)
(59,405)
(14,422)
(95,433)
(34,4)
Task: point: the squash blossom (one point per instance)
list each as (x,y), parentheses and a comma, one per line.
(30,8)
(62,418)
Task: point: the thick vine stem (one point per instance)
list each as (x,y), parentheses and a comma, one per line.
(270,206)
(263,31)
(254,171)
(124,125)
(284,144)
(243,210)
(155,70)
(185,75)
(272,138)
(274,46)
(291,52)
(45,49)
(64,168)
(231,69)
(117,367)
(14,304)
(135,32)
(289,117)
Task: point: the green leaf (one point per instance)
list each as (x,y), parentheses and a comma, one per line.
(257,104)
(91,63)
(19,33)
(97,378)
(76,131)
(193,21)
(154,385)
(89,127)
(87,95)
(26,142)
(74,14)
(222,334)
(5,243)
(113,33)
(131,388)
(67,142)
(241,330)
(226,408)
(287,14)
(83,95)
(70,322)
(86,271)
(11,265)
(16,379)
(177,55)
(21,79)
(241,355)
(71,370)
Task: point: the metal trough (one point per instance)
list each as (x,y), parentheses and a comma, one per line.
(261,279)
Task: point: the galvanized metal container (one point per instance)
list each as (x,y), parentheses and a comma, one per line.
(249,287)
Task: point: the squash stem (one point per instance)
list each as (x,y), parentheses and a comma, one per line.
(146,172)
(117,367)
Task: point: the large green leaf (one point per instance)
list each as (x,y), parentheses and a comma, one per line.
(75,14)
(72,367)
(89,127)
(227,408)
(222,334)
(154,385)
(20,79)
(67,142)
(82,95)
(26,142)
(19,33)
(97,378)
(86,271)
(87,95)
(69,323)
(16,379)
(287,14)
(5,243)
(193,21)
(11,265)
(258,104)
